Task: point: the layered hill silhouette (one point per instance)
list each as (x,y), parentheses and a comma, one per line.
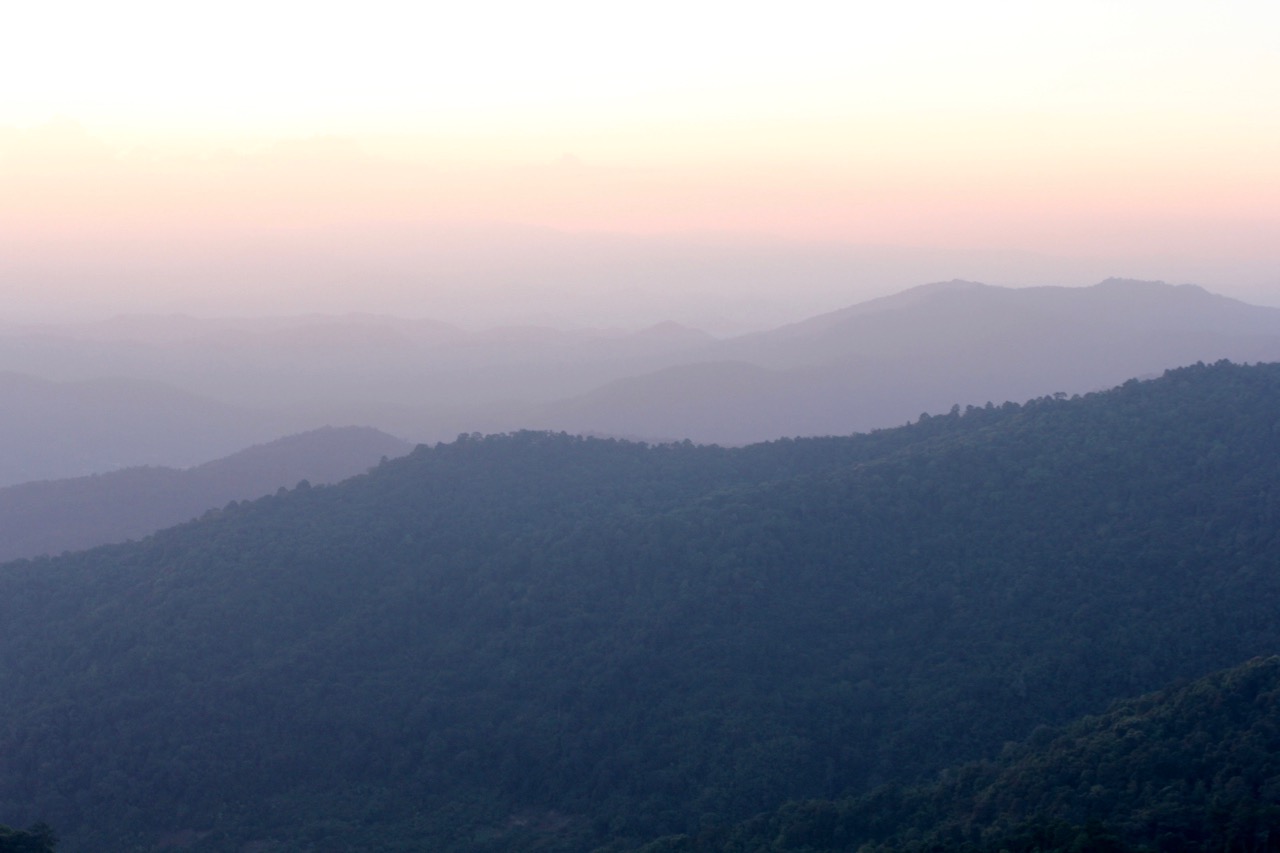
(876,364)
(389,372)
(52,516)
(535,641)
(883,362)
(52,430)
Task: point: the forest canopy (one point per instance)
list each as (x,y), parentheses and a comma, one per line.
(540,641)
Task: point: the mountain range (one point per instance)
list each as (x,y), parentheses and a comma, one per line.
(538,641)
(884,362)
(176,391)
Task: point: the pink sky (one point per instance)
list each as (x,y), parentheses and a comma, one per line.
(1136,139)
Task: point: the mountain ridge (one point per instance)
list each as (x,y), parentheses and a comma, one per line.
(537,641)
(869,365)
(57,429)
(50,517)
(882,362)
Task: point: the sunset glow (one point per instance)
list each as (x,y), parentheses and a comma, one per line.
(1122,132)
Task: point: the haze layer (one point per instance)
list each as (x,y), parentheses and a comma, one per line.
(282,157)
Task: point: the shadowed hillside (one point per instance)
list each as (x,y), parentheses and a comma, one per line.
(535,641)
(1192,768)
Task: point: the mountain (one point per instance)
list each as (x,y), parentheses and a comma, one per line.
(871,365)
(55,430)
(964,316)
(1191,768)
(885,361)
(535,641)
(412,373)
(175,390)
(49,517)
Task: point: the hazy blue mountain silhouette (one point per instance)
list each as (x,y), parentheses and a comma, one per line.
(53,430)
(885,361)
(874,364)
(418,378)
(52,516)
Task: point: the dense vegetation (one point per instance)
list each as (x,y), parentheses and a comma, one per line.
(537,641)
(38,839)
(1189,769)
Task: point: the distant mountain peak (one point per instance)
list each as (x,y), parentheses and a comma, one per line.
(1143,286)
(905,299)
(671,330)
(952,285)
(1116,281)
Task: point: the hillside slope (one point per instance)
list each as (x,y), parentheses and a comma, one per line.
(52,516)
(1191,768)
(542,642)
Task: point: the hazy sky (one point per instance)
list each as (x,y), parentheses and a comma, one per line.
(505,157)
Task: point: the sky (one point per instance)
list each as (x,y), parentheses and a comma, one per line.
(715,162)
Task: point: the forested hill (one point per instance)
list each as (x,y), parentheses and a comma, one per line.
(1189,769)
(536,641)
